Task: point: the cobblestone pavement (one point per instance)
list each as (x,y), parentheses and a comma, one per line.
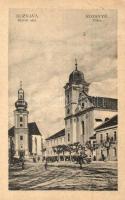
(95,176)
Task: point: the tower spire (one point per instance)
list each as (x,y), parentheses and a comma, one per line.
(21,104)
(76,63)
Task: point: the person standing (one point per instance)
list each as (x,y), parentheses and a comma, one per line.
(46,165)
(103,157)
(80,160)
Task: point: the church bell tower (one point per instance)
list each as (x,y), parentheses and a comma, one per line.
(75,85)
(21,125)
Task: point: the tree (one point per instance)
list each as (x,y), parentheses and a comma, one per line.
(90,146)
(11,150)
(69,149)
(63,150)
(75,147)
(58,149)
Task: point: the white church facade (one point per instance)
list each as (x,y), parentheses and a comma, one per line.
(24,137)
(83,113)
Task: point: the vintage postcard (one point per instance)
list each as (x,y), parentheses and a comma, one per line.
(63,103)
(62,100)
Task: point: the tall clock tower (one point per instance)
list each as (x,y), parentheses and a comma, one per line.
(75,85)
(21,125)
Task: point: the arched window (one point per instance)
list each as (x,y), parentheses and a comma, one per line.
(83,132)
(101,138)
(68,98)
(83,128)
(107,137)
(21,137)
(82,105)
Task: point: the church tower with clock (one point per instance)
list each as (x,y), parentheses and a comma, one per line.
(21,125)
(75,85)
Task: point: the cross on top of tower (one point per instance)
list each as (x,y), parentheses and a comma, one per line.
(76,63)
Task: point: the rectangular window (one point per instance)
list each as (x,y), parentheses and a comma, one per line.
(115,136)
(68,137)
(68,111)
(21,119)
(98,120)
(21,137)
(21,125)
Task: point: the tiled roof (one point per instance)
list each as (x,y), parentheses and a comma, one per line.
(56,135)
(11,132)
(111,122)
(93,137)
(33,129)
(103,102)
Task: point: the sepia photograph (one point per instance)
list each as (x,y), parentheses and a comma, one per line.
(63,99)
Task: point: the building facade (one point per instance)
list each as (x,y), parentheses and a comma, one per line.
(25,137)
(83,113)
(106,139)
(54,141)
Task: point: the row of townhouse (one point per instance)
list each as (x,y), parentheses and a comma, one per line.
(103,143)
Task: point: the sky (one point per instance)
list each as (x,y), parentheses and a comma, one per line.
(42,55)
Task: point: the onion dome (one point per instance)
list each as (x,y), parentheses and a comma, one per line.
(21,104)
(76,77)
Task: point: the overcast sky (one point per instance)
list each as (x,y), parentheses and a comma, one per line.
(42,54)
